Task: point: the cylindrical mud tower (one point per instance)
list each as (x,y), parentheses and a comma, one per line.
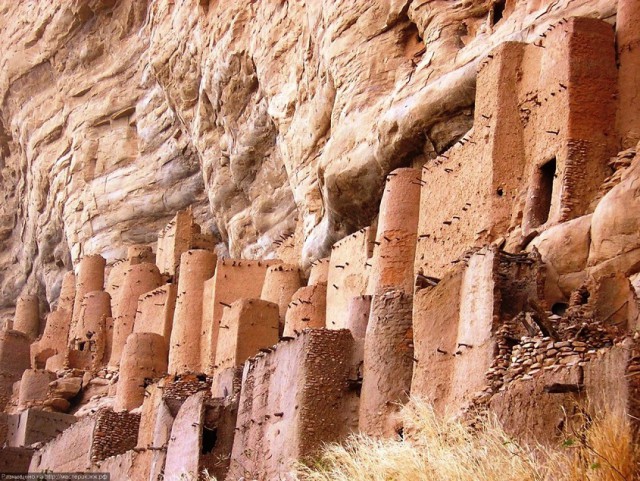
(280,284)
(394,252)
(196,266)
(67,292)
(144,358)
(27,317)
(90,277)
(138,279)
(95,308)
(14,360)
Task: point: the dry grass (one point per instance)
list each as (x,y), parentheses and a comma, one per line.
(447,450)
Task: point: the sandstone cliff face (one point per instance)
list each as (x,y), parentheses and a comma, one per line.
(269,118)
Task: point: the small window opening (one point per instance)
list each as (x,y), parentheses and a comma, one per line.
(500,191)
(543,193)
(498,10)
(209,439)
(81,346)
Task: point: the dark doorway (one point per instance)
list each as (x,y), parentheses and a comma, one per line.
(543,193)
(209,439)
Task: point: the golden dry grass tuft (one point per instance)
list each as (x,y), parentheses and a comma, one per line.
(448,450)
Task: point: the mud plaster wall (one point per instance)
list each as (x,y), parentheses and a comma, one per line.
(234,279)
(535,414)
(394,247)
(293,400)
(388,363)
(452,330)
(151,409)
(155,311)
(307,310)
(628,41)
(180,235)
(358,311)
(34,425)
(577,90)
(14,359)
(15,460)
(183,450)
(498,162)
(126,466)
(470,211)
(228,382)
(173,240)
(455,323)
(34,386)
(155,420)
(69,452)
(247,326)
(348,274)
